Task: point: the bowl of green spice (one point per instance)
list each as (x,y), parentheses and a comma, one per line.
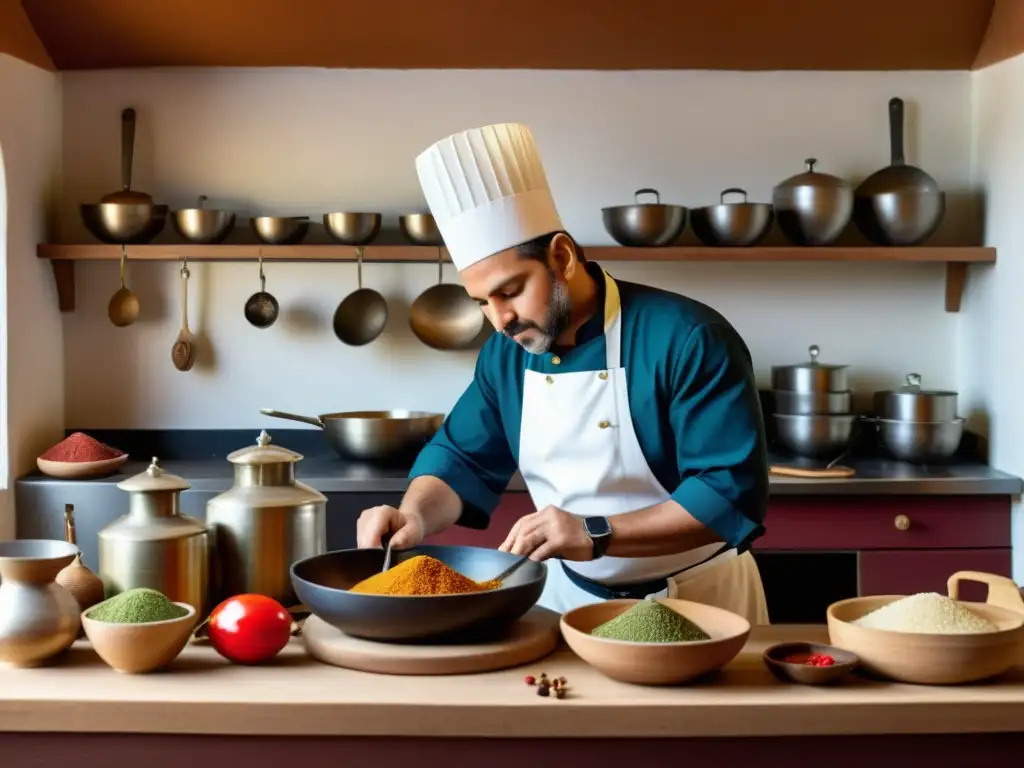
(654,642)
(140,630)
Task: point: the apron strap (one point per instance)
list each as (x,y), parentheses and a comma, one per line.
(612,322)
(631,591)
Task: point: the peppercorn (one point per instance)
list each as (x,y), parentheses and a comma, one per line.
(531,680)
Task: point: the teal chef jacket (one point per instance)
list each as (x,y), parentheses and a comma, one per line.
(692,396)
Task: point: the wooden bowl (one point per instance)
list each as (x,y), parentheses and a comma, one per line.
(656,663)
(139,648)
(935,659)
(72,470)
(774,658)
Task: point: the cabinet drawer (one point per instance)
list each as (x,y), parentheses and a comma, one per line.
(511,507)
(904,573)
(876,522)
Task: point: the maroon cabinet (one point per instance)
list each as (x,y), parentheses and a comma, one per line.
(903,572)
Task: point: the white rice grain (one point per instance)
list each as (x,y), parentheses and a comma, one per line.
(929,613)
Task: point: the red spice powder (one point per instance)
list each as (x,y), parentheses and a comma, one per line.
(79,447)
(811,659)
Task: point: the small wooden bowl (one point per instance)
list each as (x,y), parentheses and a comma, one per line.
(805,674)
(139,648)
(77,470)
(656,663)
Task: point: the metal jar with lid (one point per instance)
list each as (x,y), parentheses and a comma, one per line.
(266,521)
(813,208)
(154,545)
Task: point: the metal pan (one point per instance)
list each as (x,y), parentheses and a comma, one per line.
(899,204)
(322,582)
(372,436)
(645,225)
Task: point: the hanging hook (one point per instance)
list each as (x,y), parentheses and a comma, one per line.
(263,278)
(184,267)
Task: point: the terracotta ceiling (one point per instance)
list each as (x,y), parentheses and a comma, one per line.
(535,34)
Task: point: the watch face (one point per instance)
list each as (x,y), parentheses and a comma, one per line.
(597,526)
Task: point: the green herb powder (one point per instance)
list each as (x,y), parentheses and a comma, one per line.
(137,606)
(650,622)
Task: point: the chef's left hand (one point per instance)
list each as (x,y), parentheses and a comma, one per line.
(550,532)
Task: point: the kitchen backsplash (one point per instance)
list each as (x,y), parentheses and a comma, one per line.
(312,141)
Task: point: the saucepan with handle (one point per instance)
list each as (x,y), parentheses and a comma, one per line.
(372,436)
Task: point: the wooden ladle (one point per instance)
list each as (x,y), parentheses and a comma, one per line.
(123,308)
(183,353)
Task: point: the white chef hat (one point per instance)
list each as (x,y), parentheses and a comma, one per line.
(487,191)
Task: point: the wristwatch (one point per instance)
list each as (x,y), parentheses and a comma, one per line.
(600,532)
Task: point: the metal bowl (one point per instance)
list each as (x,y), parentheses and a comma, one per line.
(124,223)
(813,208)
(817,436)
(921,442)
(732,224)
(322,583)
(203,226)
(788,402)
(352,228)
(280,230)
(900,217)
(645,225)
(420,229)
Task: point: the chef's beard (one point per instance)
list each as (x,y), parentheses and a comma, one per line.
(555,322)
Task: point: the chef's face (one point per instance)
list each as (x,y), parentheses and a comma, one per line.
(525,298)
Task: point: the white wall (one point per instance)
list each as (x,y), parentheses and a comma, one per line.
(33,379)
(992,356)
(311,141)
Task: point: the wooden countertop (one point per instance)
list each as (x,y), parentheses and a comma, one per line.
(203,694)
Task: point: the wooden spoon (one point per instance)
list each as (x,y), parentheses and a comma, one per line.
(123,308)
(183,353)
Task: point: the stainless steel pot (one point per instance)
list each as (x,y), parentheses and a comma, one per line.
(920,442)
(813,208)
(372,435)
(265,522)
(732,224)
(645,225)
(815,436)
(811,376)
(204,226)
(911,403)
(808,403)
(154,545)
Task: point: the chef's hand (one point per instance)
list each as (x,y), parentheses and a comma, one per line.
(406,528)
(551,532)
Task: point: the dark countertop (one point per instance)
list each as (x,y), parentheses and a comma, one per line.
(873,477)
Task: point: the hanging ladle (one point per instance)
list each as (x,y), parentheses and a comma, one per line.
(261,309)
(444,316)
(361,316)
(123,308)
(183,353)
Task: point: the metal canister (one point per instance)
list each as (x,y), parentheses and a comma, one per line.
(266,521)
(154,545)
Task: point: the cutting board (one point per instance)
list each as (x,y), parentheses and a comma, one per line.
(533,637)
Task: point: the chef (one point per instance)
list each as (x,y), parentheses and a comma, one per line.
(631,412)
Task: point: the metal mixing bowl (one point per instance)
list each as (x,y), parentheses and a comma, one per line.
(280,230)
(645,225)
(902,217)
(732,224)
(420,229)
(124,223)
(920,442)
(352,228)
(322,583)
(816,436)
(204,226)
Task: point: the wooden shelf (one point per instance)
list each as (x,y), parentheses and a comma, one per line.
(63,257)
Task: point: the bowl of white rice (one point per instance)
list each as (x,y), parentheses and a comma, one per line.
(934,639)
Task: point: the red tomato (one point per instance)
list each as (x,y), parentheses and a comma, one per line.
(248,629)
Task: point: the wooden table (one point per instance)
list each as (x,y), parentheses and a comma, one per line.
(204,711)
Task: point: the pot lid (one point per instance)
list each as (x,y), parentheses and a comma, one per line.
(913,387)
(155,478)
(263,453)
(813,351)
(813,178)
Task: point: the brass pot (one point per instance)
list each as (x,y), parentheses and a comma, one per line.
(154,545)
(266,521)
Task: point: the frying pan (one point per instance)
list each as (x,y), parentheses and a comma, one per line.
(899,204)
(373,436)
(322,582)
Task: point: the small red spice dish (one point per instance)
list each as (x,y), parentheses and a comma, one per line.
(809,663)
(80,456)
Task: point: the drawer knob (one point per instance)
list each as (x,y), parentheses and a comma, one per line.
(902,523)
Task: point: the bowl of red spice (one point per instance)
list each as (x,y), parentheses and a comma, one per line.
(809,663)
(80,456)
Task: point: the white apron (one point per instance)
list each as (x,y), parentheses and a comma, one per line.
(578,451)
